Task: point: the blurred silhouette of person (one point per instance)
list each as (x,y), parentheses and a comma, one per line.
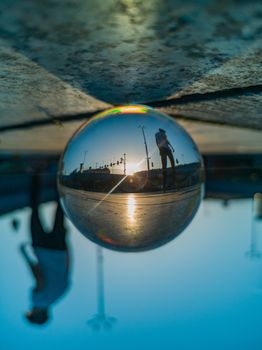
(51,271)
(165,150)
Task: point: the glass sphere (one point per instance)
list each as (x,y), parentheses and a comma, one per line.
(130,178)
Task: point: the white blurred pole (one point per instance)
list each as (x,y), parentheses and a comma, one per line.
(256,226)
(100,281)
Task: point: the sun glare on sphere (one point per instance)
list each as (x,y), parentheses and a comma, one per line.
(131,168)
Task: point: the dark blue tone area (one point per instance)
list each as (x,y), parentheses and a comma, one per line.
(200,291)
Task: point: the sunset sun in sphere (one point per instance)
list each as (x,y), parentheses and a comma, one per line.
(131,168)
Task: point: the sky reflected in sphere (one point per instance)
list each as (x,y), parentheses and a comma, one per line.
(130,179)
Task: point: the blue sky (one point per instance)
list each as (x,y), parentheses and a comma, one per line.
(199,291)
(106,140)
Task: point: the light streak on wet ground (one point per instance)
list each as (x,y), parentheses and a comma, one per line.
(132,219)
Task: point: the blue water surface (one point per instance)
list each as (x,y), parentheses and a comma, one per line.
(201,291)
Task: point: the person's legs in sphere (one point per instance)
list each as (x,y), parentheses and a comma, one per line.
(172,162)
(164,163)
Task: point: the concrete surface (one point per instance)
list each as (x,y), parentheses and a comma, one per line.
(76,56)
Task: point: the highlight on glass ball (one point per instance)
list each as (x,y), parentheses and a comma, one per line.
(130,179)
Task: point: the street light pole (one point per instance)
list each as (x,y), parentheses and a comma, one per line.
(100,281)
(85,157)
(254,251)
(101,319)
(124,163)
(142,127)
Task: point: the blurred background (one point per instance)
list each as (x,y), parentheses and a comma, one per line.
(199,62)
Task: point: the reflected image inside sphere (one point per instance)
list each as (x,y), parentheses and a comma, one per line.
(130,179)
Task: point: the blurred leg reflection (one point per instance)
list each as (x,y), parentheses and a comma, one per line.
(51,269)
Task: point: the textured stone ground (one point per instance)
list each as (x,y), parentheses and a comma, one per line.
(67,58)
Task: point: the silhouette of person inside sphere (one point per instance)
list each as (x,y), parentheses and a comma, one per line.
(166,151)
(51,271)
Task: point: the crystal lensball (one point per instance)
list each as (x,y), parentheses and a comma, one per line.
(130,178)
